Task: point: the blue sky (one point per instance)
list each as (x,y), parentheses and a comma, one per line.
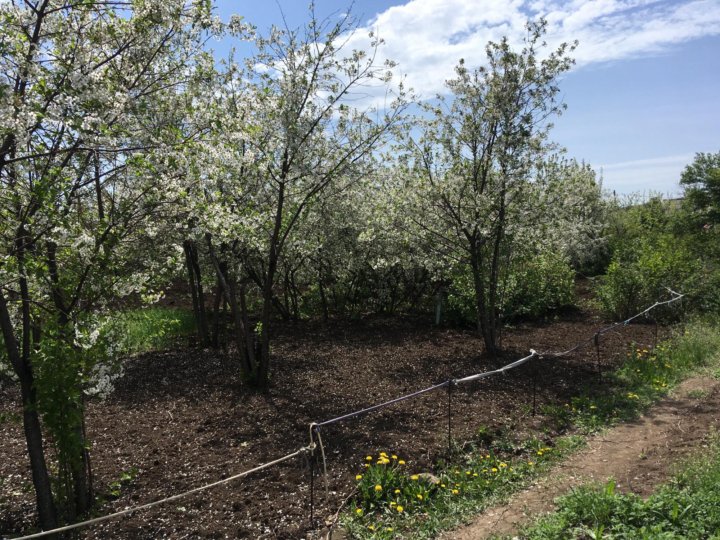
(644,95)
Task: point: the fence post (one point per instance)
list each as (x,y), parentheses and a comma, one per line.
(449,415)
(534,382)
(596,339)
(312,488)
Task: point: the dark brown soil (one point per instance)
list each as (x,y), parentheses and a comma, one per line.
(184,418)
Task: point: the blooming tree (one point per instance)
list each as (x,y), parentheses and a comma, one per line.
(291,133)
(474,161)
(88,135)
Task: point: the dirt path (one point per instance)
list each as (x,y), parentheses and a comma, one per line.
(638,455)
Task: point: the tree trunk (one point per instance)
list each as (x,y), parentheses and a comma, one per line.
(485,321)
(219,303)
(247,354)
(323,298)
(196,290)
(31,422)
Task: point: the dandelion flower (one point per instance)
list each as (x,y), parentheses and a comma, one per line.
(368,458)
(414,477)
(358,477)
(371,527)
(392,503)
(399,508)
(378,487)
(493,469)
(383,454)
(401,462)
(397,492)
(420,497)
(503,465)
(455,491)
(394,456)
(359,512)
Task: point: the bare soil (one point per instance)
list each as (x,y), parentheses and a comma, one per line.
(639,455)
(179,419)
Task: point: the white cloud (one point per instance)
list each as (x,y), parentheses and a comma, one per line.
(428,37)
(646,176)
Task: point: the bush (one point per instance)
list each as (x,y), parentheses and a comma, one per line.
(639,275)
(531,288)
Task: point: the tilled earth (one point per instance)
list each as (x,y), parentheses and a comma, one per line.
(180,419)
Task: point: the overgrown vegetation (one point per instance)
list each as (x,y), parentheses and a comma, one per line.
(150,328)
(687,507)
(395,501)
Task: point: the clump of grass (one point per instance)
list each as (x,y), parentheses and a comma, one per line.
(684,508)
(394,499)
(148,329)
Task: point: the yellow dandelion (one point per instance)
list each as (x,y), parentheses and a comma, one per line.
(401,462)
(531,463)
(383,454)
(392,503)
(394,456)
(475,474)
(359,512)
(397,492)
(378,487)
(420,497)
(493,469)
(371,527)
(539,452)
(503,465)
(442,485)
(358,477)
(399,508)
(414,477)
(455,491)
(389,529)
(368,458)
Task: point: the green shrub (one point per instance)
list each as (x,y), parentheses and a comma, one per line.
(640,274)
(531,287)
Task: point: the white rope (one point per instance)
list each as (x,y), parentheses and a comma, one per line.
(165,500)
(503,369)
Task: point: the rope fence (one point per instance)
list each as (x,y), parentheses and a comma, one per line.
(315,437)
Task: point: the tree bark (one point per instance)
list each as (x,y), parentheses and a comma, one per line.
(31,422)
(247,354)
(196,291)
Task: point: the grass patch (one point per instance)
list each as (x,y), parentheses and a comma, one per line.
(149,329)
(395,502)
(687,507)
(644,377)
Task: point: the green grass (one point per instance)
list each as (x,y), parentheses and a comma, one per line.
(149,329)
(479,478)
(395,501)
(687,507)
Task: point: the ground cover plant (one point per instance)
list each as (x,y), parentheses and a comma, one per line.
(686,507)
(393,501)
